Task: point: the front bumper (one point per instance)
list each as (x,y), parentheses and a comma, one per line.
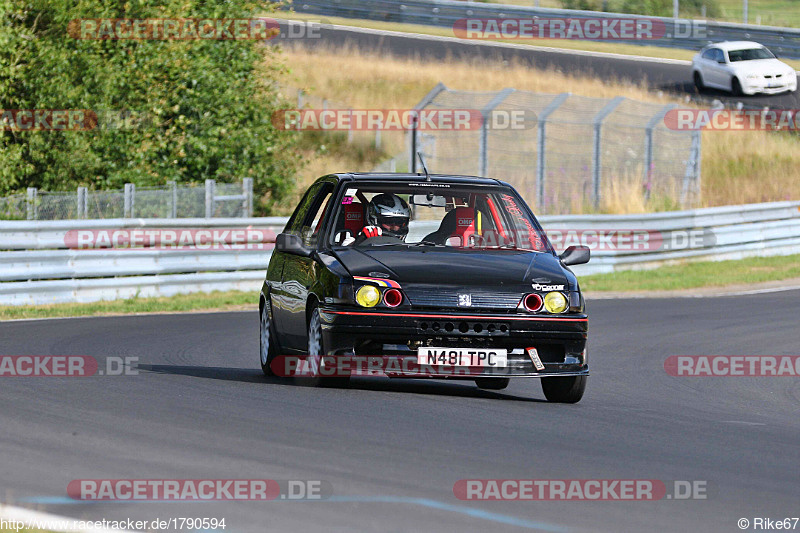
(560,341)
(765,86)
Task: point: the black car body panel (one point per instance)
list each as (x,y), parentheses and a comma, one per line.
(456,297)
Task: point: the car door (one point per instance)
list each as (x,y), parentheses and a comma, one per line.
(710,67)
(299,273)
(719,68)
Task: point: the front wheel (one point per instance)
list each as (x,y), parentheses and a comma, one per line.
(316,351)
(736,87)
(568,389)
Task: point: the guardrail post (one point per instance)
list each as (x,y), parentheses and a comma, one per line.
(483,151)
(82,203)
(210,191)
(129,200)
(648,146)
(247,191)
(32,208)
(541,151)
(173,204)
(597,123)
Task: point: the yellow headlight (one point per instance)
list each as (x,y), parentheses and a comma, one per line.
(368,296)
(555,302)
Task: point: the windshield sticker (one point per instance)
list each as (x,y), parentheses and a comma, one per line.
(348,196)
(512,208)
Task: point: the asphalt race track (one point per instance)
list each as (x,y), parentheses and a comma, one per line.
(392,450)
(666,75)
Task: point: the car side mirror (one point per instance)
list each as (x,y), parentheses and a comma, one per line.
(291,244)
(575,255)
(721,61)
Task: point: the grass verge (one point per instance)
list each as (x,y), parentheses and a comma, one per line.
(706,274)
(739,167)
(215,301)
(569,44)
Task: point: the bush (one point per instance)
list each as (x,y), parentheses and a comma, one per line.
(202,107)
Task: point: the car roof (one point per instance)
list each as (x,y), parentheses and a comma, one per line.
(735,45)
(407,176)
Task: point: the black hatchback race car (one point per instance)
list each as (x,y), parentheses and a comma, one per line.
(433,276)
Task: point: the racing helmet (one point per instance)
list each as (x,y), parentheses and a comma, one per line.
(390,213)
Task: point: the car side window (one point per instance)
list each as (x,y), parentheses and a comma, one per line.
(310,228)
(709,54)
(719,55)
(296,220)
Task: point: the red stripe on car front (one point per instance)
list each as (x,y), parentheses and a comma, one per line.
(469,317)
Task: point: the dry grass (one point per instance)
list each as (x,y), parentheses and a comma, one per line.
(737,167)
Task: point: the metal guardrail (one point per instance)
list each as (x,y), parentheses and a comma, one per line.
(783,41)
(38,267)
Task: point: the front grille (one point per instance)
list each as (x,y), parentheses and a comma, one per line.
(449,299)
(461,327)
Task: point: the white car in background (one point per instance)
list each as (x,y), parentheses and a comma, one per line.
(742,67)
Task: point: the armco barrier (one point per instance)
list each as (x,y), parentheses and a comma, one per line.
(783,41)
(38,267)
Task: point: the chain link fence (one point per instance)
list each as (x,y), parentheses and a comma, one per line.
(233,200)
(567,153)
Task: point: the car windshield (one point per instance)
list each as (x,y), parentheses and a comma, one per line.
(434,214)
(749,54)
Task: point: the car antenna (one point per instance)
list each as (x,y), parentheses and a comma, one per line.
(424,166)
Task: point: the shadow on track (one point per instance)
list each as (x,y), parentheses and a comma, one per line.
(463,389)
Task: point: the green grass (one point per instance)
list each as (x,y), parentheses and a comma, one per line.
(215,301)
(696,275)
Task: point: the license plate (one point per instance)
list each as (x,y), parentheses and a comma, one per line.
(495,358)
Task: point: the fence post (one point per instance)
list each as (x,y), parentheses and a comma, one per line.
(173,206)
(350,127)
(299,98)
(82,203)
(648,145)
(597,123)
(32,207)
(692,168)
(541,150)
(129,200)
(210,191)
(483,155)
(247,190)
(377,137)
(414,140)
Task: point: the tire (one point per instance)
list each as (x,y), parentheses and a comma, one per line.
(568,389)
(267,342)
(492,383)
(736,87)
(316,347)
(698,82)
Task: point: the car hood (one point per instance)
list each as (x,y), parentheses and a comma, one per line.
(452,266)
(761,67)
